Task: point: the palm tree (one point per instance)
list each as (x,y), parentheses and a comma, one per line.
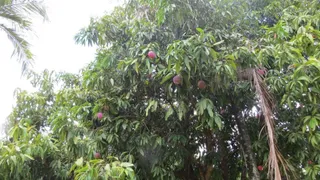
(15,21)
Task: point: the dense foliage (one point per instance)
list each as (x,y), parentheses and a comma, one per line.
(231,90)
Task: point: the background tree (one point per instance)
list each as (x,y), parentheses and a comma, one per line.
(181,90)
(16,22)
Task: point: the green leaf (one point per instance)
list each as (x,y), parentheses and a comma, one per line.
(159,141)
(313,123)
(210,112)
(125,164)
(14,159)
(124,126)
(107,168)
(169,113)
(304,78)
(112,82)
(148,65)
(218,43)
(136,67)
(310,37)
(79,162)
(141,152)
(187,63)
(178,67)
(218,121)
(166,78)
(200,30)
(152,104)
(211,123)
(29,157)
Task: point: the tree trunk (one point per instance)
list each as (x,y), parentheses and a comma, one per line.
(224,167)
(209,144)
(187,173)
(208,172)
(223,151)
(246,143)
(244,174)
(244,164)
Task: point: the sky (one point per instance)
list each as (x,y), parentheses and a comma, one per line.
(53,46)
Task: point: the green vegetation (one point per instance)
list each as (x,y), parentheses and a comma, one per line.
(179,89)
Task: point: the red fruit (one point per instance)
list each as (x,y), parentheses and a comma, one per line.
(222,111)
(99,115)
(261,72)
(260,168)
(97,155)
(151,54)
(149,76)
(310,162)
(201,84)
(176,80)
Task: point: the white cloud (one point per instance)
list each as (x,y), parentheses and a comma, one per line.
(54,45)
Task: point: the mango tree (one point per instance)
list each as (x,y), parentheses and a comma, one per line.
(183,90)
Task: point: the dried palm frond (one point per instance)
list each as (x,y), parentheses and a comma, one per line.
(267,106)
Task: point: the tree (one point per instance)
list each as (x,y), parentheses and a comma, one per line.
(16,21)
(232,93)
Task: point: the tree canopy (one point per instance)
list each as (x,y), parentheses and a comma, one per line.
(179,89)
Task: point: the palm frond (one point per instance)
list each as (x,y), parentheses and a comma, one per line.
(25,7)
(25,57)
(267,106)
(19,13)
(16,19)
